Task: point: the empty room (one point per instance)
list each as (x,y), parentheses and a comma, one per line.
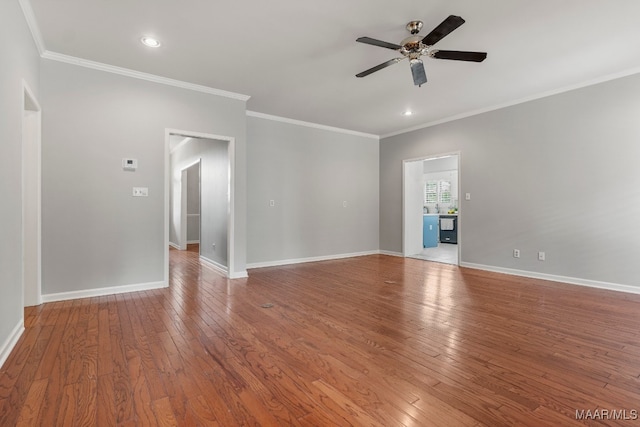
(286,213)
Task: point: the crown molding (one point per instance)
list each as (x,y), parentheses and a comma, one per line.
(563,89)
(140,75)
(310,125)
(32,23)
(27,11)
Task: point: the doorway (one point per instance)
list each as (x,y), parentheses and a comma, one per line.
(31,200)
(200,197)
(431,218)
(191,206)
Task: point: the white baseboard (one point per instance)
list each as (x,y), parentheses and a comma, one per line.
(192,242)
(391,253)
(239,275)
(555,278)
(222,269)
(87,293)
(175,246)
(214,265)
(11,342)
(309,259)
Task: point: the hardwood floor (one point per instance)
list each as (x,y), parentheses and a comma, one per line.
(373,340)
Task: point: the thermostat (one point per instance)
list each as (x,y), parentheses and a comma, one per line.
(129,164)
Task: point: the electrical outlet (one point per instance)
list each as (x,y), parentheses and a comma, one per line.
(541,256)
(516,253)
(140,192)
(272,203)
(344,204)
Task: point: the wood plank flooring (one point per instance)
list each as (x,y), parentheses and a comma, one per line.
(367,341)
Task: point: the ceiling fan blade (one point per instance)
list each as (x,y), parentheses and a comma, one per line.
(380,43)
(443,30)
(379,67)
(458,55)
(417,71)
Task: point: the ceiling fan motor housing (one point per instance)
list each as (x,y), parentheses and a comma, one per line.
(413,47)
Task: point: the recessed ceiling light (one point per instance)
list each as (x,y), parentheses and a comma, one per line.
(407,113)
(150,42)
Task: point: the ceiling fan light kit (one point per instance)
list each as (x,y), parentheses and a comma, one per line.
(414,47)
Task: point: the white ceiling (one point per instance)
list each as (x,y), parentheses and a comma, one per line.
(298,59)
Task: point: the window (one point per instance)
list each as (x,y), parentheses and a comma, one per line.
(431,192)
(444,191)
(437,192)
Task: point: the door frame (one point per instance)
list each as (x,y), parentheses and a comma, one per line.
(404,195)
(184,241)
(409,234)
(31,247)
(231,150)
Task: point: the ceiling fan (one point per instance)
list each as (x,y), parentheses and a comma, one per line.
(414,46)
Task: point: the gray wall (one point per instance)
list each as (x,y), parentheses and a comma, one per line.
(309,172)
(558,174)
(214,194)
(19,61)
(95,234)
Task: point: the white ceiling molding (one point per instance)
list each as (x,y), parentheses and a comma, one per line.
(44,53)
(614,76)
(310,125)
(142,76)
(27,11)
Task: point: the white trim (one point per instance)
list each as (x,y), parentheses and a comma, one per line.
(180,144)
(239,275)
(11,342)
(34,107)
(32,97)
(391,253)
(555,278)
(219,268)
(32,23)
(175,246)
(88,293)
(183,197)
(563,89)
(192,242)
(309,259)
(140,75)
(182,234)
(188,215)
(214,265)
(311,125)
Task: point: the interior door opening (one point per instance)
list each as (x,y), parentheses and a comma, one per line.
(200,197)
(431,223)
